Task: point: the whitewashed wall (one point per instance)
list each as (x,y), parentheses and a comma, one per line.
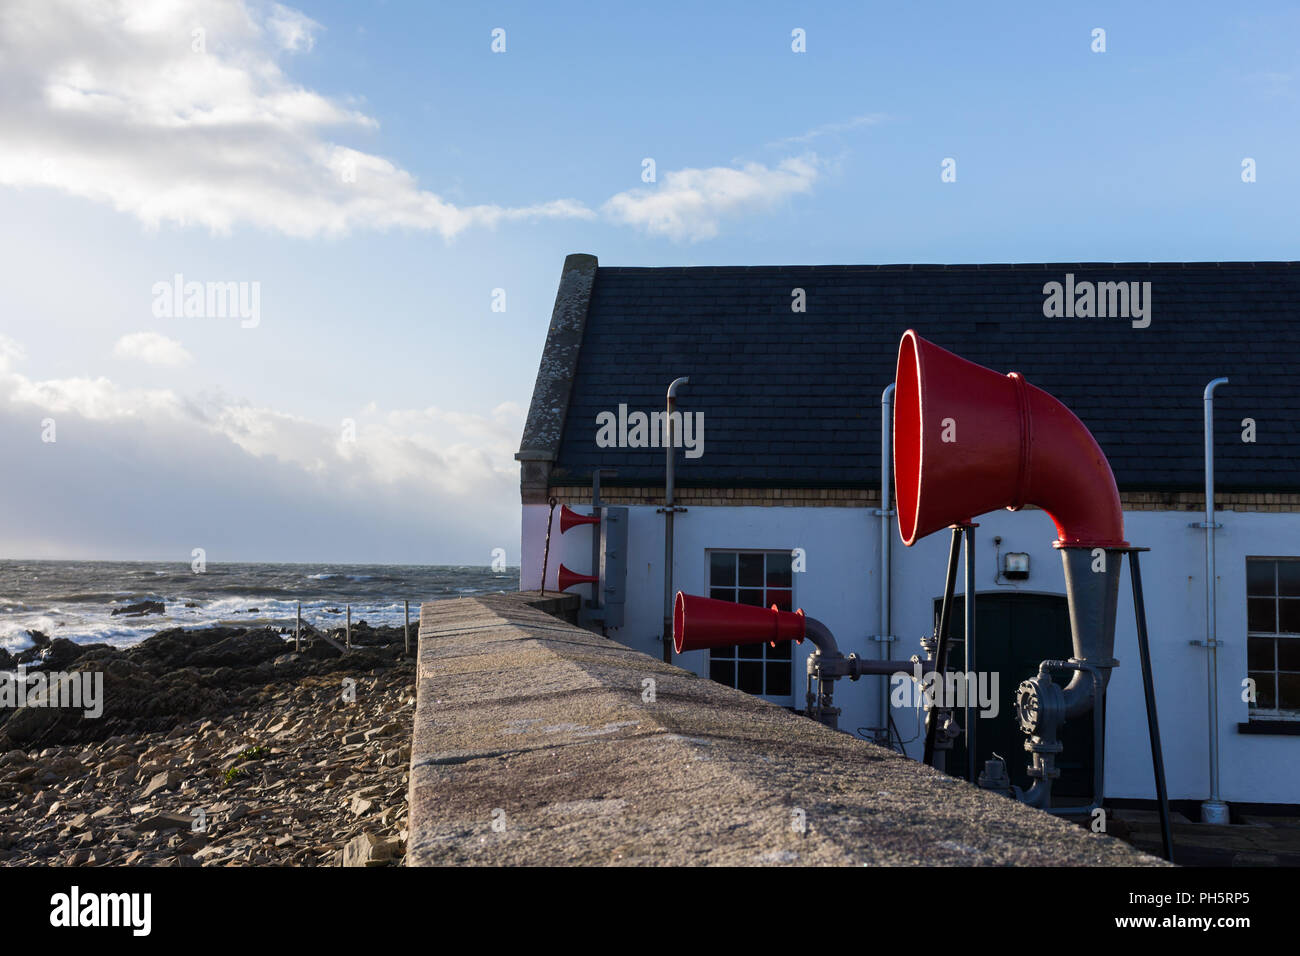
(841,588)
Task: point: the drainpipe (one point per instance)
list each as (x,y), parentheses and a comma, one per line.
(669,510)
(885,637)
(1213,810)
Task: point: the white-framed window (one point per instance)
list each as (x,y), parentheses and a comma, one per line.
(1273,636)
(760,579)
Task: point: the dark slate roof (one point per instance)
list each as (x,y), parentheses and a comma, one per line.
(794,399)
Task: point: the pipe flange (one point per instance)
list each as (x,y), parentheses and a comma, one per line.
(1040,706)
(1037,745)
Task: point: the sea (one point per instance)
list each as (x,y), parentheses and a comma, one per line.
(76,599)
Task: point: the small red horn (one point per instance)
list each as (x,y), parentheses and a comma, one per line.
(569,518)
(568,579)
(700,622)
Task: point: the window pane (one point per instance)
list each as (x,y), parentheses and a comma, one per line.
(750,650)
(751,596)
(722,653)
(724,672)
(751,570)
(1259,654)
(728,594)
(1259,614)
(778,570)
(1265,695)
(778,679)
(781,598)
(1288,691)
(782,652)
(722,569)
(1259,577)
(750,678)
(1288,656)
(1288,578)
(1288,615)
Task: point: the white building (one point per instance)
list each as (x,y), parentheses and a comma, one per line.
(790,462)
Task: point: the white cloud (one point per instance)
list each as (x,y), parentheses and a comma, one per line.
(153,349)
(690,204)
(828,129)
(293,30)
(416,484)
(109,100)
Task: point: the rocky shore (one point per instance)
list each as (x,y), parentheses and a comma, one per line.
(215,747)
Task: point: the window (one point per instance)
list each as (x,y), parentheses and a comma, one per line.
(760,579)
(1273,635)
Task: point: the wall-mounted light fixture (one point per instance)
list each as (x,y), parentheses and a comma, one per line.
(1015,565)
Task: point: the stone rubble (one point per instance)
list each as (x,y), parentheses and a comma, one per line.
(307,770)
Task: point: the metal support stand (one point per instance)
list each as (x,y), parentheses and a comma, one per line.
(941,639)
(968,534)
(1153,725)
(546,552)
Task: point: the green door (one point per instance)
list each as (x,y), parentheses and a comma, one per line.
(1014,633)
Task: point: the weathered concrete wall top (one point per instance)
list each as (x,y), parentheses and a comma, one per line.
(537,742)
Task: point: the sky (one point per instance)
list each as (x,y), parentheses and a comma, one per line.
(392,199)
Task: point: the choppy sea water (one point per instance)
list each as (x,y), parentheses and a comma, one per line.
(75,599)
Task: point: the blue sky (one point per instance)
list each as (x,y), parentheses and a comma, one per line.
(128,157)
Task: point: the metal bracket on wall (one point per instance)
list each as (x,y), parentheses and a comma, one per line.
(1204,524)
(674,509)
(882,512)
(1215,643)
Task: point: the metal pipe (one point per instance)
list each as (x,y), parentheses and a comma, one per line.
(668,518)
(821,636)
(886,622)
(1213,810)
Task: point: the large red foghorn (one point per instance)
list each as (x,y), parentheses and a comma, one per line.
(968,440)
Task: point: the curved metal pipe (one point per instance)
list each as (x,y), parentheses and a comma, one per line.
(821,636)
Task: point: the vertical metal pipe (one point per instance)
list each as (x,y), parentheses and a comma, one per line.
(348,633)
(968,605)
(1153,725)
(1213,810)
(668,518)
(297,629)
(886,527)
(406,628)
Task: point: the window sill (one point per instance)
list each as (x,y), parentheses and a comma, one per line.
(1276,728)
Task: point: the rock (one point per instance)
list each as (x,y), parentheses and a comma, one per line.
(356,737)
(61,653)
(367,849)
(38,638)
(361,806)
(163,821)
(139,609)
(166,780)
